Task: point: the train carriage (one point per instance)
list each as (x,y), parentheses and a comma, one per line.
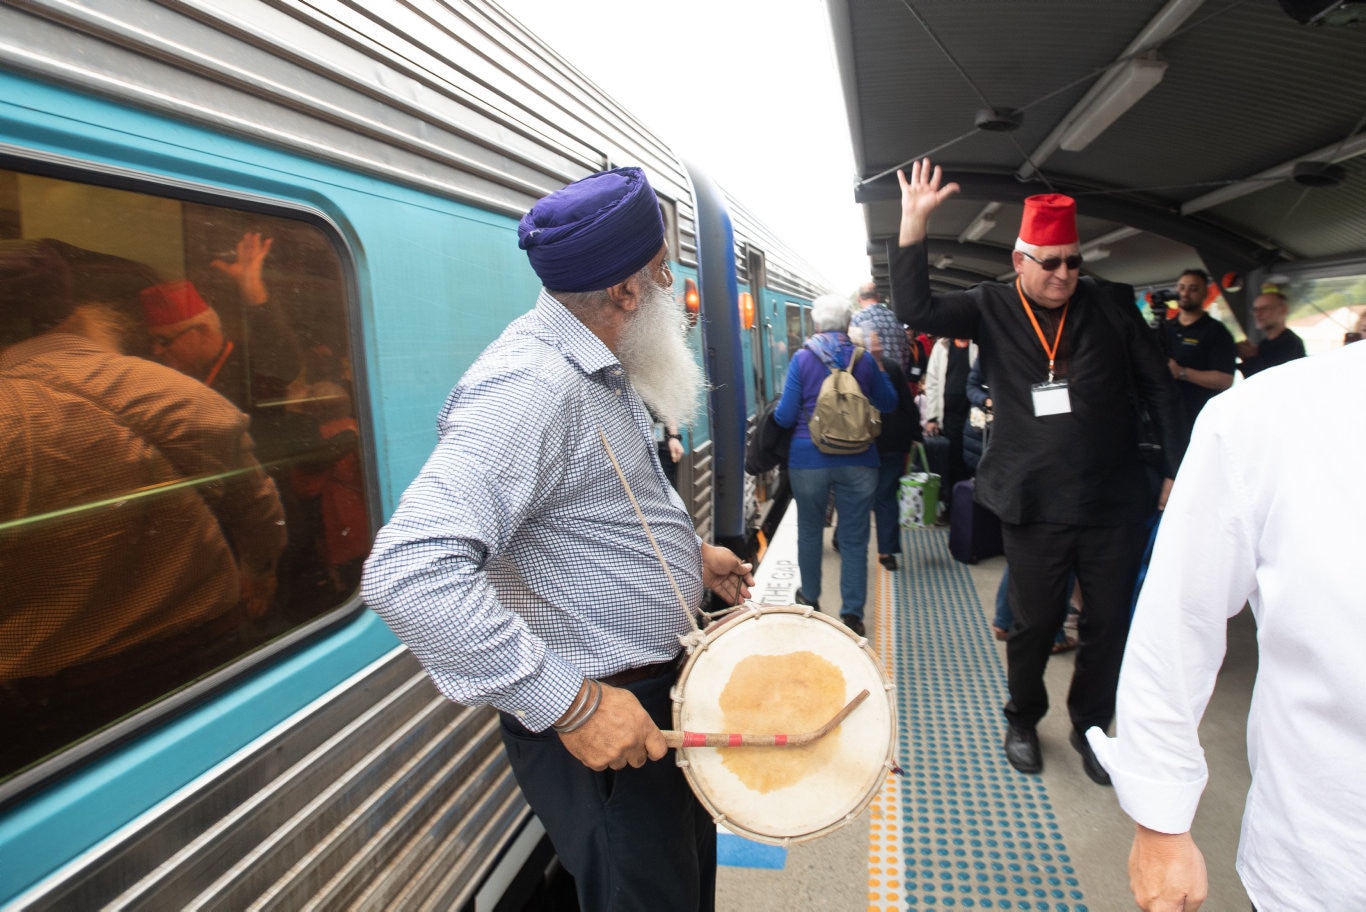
(286,752)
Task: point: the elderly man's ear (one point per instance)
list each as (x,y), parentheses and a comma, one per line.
(626,294)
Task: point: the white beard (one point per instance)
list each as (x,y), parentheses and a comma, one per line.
(653,348)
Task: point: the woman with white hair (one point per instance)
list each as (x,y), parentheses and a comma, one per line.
(814,474)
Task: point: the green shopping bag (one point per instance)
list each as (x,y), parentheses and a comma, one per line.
(918,492)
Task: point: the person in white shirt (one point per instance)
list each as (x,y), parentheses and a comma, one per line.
(1255,518)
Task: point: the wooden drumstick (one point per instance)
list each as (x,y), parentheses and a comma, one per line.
(737,739)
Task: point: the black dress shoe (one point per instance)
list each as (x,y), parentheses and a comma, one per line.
(854,623)
(1088,759)
(1022,748)
(887,560)
(802,600)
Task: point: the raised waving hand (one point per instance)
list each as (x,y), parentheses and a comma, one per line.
(920,196)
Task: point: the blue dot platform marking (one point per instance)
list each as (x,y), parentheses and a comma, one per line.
(975,833)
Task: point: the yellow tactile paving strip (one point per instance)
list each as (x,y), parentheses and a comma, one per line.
(886,856)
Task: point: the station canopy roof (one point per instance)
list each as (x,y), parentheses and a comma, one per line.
(1223,134)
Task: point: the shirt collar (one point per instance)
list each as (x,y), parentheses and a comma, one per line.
(568,334)
(44,344)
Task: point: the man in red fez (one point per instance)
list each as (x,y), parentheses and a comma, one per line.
(188,334)
(518,570)
(1069,362)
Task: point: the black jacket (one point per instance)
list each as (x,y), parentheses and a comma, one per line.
(900,428)
(1081,468)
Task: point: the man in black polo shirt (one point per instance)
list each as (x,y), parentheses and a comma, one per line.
(1279,343)
(1200,350)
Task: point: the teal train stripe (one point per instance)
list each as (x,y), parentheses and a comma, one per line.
(976,833)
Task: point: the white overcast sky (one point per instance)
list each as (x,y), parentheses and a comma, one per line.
(746,89)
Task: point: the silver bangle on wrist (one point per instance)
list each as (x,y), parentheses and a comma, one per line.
(580,716)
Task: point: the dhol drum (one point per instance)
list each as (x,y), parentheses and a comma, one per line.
(774,669)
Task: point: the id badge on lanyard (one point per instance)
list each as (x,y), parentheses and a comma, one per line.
(1051,396)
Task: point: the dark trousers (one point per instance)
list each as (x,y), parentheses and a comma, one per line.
(886,502)
(633,838)
(1040,556)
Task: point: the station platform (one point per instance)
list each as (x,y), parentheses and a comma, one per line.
(961,829)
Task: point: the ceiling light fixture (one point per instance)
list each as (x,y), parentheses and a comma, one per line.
(944,261)
(1126,85)
(1094,254)
(980,225)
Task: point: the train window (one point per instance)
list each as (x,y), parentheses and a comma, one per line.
(180,479)
(796,335)
(669,211)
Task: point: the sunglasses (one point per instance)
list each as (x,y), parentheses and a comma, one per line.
(161,340)
(1052,263)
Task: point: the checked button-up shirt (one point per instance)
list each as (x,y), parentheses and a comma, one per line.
(888,328)
(514,565)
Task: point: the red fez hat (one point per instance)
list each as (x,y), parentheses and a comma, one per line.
(171,302)
(1050,220)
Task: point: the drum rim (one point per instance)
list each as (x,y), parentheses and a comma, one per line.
(755,611)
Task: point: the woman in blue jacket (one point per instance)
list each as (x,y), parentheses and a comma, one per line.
(813,474)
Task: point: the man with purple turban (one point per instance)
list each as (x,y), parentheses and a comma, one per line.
(1070,364)
(517,569)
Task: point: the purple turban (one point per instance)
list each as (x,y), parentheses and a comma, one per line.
(594,232)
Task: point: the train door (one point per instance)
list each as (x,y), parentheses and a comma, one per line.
(761,329)
(797,331)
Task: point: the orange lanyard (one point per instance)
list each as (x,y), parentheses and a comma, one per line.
(218,365)
(1052,352)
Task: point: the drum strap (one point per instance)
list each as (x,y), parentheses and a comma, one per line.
(694,638)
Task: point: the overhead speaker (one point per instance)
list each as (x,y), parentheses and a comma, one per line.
(1318,174)
(1326,12)
(998,120)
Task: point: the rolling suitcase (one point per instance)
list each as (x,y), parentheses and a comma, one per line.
(974,531)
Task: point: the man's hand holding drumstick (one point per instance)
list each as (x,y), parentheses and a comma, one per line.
(620,732)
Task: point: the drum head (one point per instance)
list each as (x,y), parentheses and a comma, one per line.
(785,670)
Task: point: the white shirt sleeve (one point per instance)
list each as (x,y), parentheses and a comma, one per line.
(1203,571)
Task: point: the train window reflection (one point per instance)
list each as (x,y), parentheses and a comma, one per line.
(180,479)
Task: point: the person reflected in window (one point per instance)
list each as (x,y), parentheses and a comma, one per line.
(188,334)
(333,482)
(101,460)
